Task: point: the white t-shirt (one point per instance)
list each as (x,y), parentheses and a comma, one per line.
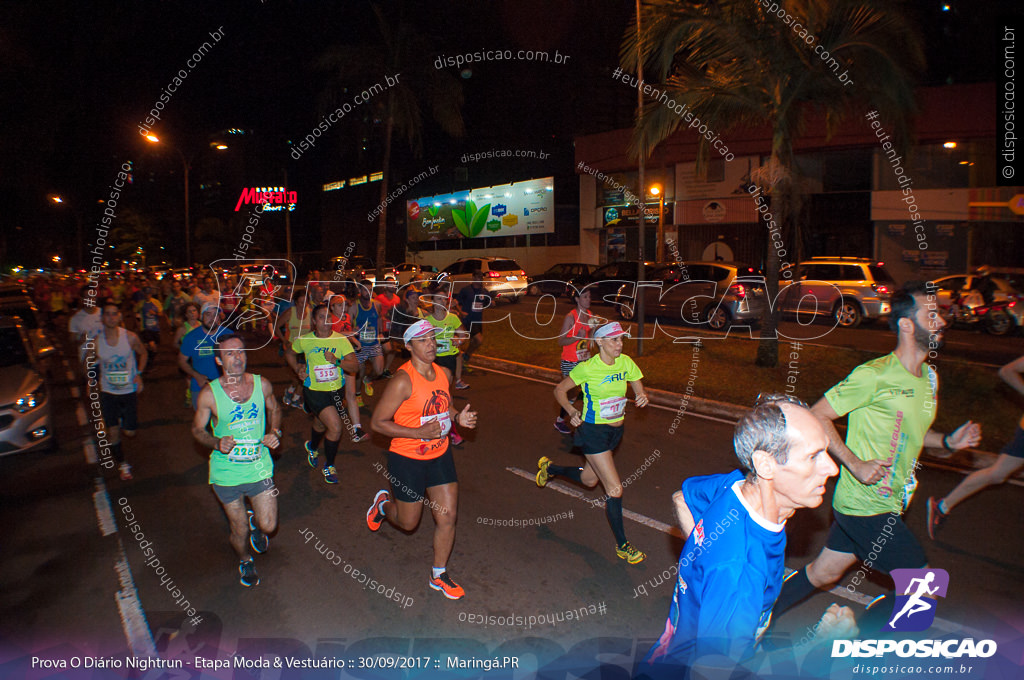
(86,324)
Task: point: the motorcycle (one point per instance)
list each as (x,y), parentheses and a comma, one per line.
(970,309)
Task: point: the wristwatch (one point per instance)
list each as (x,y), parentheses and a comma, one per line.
(277,433)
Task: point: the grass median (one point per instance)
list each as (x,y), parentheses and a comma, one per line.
(726,372)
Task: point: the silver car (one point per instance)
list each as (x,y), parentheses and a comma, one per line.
(25,416)
(847,289)
(504,279)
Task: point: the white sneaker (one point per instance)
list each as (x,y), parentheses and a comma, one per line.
(126,472)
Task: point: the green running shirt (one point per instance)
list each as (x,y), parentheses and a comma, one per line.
(323,375)
(249,461)
(604,387)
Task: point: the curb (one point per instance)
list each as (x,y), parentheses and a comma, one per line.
(965,460)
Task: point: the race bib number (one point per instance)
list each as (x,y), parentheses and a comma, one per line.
(443,345)
(118,378)
(368,334)
(612,407)
(582,352)
(909,487)
(478,304)
(245,451)
(443,418)
(325,373)
(205,351)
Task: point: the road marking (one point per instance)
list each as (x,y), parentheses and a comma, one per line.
(657,406)
(90,451)
(104,513)
(80,412)
(859,598)
(74,392)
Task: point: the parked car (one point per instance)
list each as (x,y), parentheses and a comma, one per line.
(504,279)
(31,320)
(847,289)
(559,278)
(717,293)
(357,268)
(25,415)
(605,281)
(407,271)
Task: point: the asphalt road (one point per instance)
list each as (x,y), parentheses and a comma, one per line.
(59,584)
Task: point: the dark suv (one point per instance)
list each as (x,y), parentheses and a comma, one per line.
(848,289)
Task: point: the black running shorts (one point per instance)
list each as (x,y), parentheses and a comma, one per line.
(597,438)
(411,478)
(315,401)
(120,410)
(883,540)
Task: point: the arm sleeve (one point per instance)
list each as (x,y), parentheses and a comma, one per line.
(730,610)
(855,391)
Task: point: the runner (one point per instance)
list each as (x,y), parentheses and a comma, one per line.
(322,382)
(121,358)
(368,318)
(1010,459)
(603,380)
(207,294)
(290,324)
(573,339)
(416,412)
(448,334)
(86,323)
(195,357)
(341,322)
(405,315)
(891,402)
(174,304)
(731,567)
(473,299)
(240,462)
(388,301)
(150,311)
(189,322)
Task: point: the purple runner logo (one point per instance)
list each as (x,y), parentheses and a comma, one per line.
(914,610)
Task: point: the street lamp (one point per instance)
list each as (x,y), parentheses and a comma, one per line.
(655,190)
(186,164)
(58,200)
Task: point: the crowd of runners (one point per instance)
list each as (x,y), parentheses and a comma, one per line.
(411,348)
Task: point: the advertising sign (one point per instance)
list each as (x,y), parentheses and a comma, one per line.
(526,207)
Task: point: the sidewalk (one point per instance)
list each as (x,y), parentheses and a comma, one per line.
(965,461)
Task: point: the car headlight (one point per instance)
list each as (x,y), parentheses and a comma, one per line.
(27,402)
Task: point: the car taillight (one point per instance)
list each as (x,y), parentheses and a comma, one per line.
(884,290)
(492,274)
(738,290)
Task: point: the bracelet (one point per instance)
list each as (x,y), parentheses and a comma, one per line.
(945,444)
(277,433)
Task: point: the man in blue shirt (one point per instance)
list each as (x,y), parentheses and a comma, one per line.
(196,357)
(473,299)
(732,565)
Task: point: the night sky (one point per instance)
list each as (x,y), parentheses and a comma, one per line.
(77,79)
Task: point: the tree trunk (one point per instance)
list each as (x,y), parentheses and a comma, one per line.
(382,224)
(781,196)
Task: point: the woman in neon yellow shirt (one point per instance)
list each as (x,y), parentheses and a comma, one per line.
(602,380)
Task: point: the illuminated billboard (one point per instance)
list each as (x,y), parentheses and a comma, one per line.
(526,207)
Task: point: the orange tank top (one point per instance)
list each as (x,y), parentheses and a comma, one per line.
(429,401)
(577,351)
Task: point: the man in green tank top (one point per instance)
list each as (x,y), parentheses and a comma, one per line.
(240,465)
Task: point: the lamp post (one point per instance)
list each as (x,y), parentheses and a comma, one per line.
(58,200)
(655,190)
(153,139)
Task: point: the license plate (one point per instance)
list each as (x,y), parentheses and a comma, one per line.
(511,278)
(885,309)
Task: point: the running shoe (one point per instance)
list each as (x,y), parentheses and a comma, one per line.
(374,517)
(459,385)
(468,369)
(457,439)
(561,426)
(330,475)
(629,553)
(247,575)
(359,434)
(448,587)
(359,401)
(387,374)
(542,472)
(126,472)
(311,454)
(368,387)
(257,539)
(935,517)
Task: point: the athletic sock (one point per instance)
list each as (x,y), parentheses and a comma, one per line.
(315,438)
(795,589)
(330,451)
(562,414)
(613,508)
(437,571)
(942,506)
(573,473)
(115,450)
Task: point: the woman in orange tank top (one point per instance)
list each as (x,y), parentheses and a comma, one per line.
(416,412)
(574,341)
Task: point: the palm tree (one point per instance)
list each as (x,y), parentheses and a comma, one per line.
(734,65)
(400,49)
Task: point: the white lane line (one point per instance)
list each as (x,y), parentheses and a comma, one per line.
(548,382)
(133,618)
(859,598)
(74,392)
(104,513)
(80,413)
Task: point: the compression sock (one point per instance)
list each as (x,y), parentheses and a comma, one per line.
(795,589)
(330,451)
(573,473)
(315,438)
(613,508)
(115,450)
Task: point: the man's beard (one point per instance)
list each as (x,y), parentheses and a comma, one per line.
(928,340)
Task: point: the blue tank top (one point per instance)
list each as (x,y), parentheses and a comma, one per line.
(367,321)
